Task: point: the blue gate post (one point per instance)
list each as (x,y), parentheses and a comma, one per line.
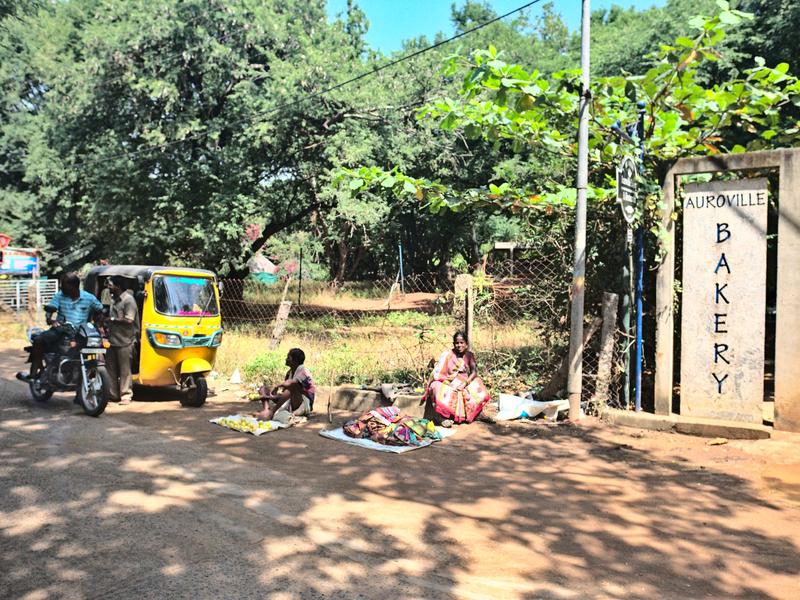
(639,267)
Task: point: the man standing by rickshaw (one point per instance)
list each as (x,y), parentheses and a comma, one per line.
(123,330)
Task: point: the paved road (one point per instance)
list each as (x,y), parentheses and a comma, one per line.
(151,501)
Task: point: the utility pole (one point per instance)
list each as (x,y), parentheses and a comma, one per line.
(575,375)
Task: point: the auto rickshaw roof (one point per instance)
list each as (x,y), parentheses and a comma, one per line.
(141,273)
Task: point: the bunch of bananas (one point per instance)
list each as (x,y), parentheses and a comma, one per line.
(246,424)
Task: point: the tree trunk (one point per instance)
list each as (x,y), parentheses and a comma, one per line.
(344,251)
(606,357)
(443,273)
(475,247)
(351,272)
(559,380)
(278,226)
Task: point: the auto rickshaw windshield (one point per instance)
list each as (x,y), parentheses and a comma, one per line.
(185,296)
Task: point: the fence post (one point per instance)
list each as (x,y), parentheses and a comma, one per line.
(18,304)
(461,299)
(402,274)
(280,323)
(606,356)
(469,308)
(300,280)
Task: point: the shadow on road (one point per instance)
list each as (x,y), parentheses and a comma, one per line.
(163,503)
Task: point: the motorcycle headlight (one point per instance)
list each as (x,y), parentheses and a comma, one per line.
(94,342)
(169,340)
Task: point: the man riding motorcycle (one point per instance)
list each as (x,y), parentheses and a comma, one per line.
(71,305)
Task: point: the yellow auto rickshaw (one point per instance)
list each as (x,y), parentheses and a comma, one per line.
(179,320)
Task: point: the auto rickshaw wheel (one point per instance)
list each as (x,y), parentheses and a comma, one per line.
(196,394)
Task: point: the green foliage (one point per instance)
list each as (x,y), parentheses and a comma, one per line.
(286,247)
(268,367)
(502,102)
(340,365)
(148,131)
(141,129)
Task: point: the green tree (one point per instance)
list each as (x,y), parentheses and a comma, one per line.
(512,107)
(163,116)
(147,131)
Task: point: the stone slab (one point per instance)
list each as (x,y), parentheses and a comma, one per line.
(641,420)
(724,299)
(787,340)
(787,367)
(711,428)
(357,400)
(733,430)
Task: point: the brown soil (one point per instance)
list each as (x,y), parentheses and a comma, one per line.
(152,501)
(415,301)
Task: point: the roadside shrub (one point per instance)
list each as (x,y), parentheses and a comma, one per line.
(268,366)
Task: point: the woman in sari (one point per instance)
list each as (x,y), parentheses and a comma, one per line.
(456,391)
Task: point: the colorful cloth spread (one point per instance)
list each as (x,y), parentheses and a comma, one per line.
(450,397)
(339,435)
(387,425)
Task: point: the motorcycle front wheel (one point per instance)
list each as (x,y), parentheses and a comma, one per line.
(94,402)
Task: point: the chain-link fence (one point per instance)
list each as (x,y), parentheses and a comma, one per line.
(529,287)
(364,332)
(393,329)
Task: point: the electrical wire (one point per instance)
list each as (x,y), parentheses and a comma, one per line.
(311,96)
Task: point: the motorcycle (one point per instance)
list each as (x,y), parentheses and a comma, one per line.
(77,365)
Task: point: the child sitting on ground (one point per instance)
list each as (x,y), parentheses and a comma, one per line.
(295,395)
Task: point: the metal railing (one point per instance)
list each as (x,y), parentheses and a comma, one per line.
(23,294)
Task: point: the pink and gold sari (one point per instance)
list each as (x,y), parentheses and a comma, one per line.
(450,397)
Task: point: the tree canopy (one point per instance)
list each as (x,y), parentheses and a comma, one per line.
(197,132)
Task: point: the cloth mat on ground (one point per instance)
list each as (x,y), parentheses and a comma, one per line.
(341,436)
(248,424)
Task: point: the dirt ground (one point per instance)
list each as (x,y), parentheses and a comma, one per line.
(152,501)
(410,301)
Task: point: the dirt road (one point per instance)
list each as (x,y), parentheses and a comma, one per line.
(152,501)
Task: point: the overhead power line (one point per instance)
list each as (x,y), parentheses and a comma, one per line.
(280,107)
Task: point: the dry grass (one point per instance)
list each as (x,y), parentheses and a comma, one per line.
(395,346)
(14,325)
(400,348)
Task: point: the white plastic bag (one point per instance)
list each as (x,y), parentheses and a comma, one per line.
(516,407)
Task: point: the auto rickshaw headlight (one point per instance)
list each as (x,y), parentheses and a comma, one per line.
(216,340)
(167,339)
